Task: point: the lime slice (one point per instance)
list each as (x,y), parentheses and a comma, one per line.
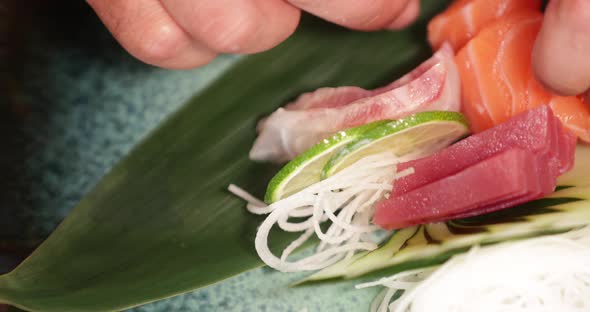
(420,134)
(305,169)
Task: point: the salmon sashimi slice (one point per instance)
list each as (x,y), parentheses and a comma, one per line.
(463,19)
(498,80)
(574,113)
(289,131)
(481,63)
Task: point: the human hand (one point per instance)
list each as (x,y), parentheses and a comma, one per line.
(181,34)
(561,56)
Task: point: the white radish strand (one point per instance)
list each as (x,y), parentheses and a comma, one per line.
(345,200)
(549,273)
(251,199)
(339,193)
(296,244)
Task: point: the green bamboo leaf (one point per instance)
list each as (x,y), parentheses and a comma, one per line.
(161,223)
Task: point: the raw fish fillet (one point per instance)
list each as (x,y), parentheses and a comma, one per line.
(434,85)
(463,19)
(498,80)
(503,180)
(545,184)
(536,130)
(334,97)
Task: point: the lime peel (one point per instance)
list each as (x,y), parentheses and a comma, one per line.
(305,169)
(414,136)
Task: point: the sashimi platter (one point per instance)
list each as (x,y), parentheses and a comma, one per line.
(466,171)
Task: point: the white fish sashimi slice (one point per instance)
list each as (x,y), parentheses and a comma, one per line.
(434,85)
(334,97)
(323,98)
(328,98)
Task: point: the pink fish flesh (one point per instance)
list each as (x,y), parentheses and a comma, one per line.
(503,180)
(434,85)
(536,130)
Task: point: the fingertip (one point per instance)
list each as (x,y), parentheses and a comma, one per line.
(363,15)
(236,26)
(559,56)
(148,33)
(407,17)
(166,45)
(547,77)
(157,43)
(282,25)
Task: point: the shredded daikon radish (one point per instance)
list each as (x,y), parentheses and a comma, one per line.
(255,205)
(345,200)
(549,273)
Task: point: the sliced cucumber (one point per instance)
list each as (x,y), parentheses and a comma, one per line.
(434,243)
(365,258)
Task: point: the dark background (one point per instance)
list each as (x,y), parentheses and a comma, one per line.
(72,103)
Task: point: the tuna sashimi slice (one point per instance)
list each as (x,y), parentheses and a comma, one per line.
(546,183)
(289,131)
(508,177)
(535,130)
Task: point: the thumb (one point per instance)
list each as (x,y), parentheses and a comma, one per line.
(561,55)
